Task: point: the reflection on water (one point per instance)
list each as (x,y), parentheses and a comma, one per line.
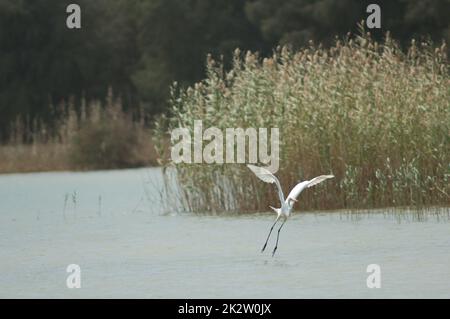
(108,223)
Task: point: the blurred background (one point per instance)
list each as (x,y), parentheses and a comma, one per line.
(88,98)
(138,48)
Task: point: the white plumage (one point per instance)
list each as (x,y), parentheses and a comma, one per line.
(306,184)
(286,204)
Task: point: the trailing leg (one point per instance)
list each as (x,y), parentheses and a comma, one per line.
(278,236)
(265,244)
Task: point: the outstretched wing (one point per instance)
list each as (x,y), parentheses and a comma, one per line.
(266,176)
(301,186)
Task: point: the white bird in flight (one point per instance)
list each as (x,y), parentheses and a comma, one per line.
(286,204)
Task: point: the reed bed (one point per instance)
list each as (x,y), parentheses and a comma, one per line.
(95,136)
(372,114)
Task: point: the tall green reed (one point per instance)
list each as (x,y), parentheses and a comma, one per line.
(375,116)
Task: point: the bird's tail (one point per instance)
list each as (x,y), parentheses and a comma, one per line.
(274,209)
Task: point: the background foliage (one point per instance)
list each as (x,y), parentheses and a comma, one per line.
(139,47)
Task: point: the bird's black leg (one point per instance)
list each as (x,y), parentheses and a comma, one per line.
(278,236)
(265,244)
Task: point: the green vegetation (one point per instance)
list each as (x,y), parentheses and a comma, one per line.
(97,137)
(140,47)
(376,117)
(109,138)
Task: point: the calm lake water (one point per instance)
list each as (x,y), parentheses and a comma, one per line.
(126,247)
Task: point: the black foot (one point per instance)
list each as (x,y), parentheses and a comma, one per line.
(274,250)
(264,247)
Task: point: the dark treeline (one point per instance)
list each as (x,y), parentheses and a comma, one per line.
(138,48)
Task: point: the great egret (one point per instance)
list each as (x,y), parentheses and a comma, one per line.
(286,205)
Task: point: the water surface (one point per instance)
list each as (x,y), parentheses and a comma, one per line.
(126,247)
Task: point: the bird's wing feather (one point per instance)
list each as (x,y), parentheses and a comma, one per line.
(301,186)
(266,176)
(319,179)
(297,190)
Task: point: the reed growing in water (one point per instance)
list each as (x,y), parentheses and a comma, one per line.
(94,137)
(376,117)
